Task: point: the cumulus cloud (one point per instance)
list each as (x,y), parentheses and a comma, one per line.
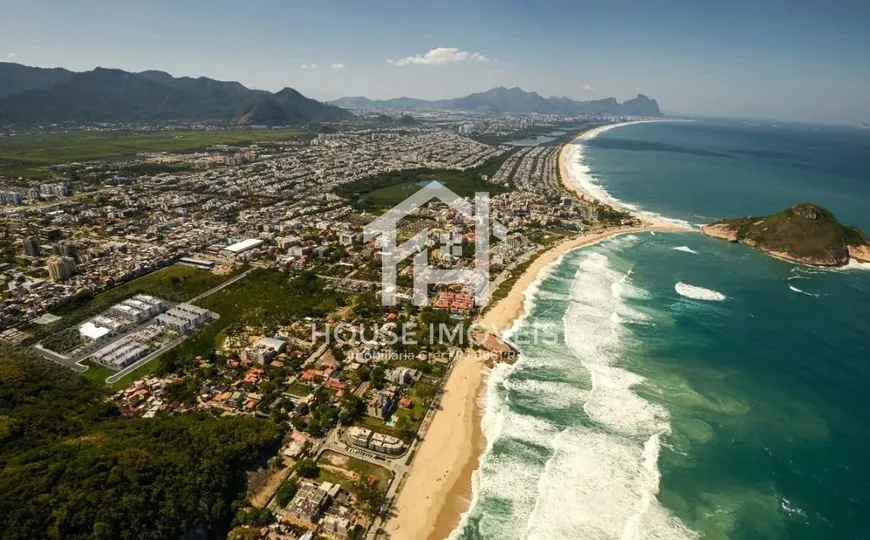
(309,66)
(11,55)
(587,86)
(338,65)
(440,56)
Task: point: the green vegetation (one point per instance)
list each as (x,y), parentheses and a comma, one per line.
(64,341)
(264,298)
(70,468)
(299,389)
(853,236)
(253,517)
(363,469)
(96,373)
(176,283)
(530,133)
(805,232)
(323,418)
(365,480)
(388,189)
(286,492)
(307,468)
(609,215)
(371,495)
(26,155)
(158,168)
(138,373)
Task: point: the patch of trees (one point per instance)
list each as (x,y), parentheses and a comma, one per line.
(286,492)
(307,468)
(71,468)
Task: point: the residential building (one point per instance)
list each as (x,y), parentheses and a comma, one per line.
(379,442)
(139,308)
(383,403)
(264,350)
(184,317)
(121,353)
(307,502)
(31,246)
(61,268)
(404,376)
(11,197)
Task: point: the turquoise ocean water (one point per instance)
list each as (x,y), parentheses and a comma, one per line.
(696,389)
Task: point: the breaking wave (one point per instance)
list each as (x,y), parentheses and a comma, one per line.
(699,293)
(795,289)
(572,451)
(581,175)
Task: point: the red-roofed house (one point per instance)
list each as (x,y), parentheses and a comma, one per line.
(335,385)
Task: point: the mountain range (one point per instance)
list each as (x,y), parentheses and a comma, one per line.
(512,100)
(30,95)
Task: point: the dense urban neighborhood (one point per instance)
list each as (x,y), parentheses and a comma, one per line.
(236,281)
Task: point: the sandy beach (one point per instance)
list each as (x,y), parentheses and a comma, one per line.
(439,486)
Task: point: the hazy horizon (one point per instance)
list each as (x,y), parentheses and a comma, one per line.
(800,62)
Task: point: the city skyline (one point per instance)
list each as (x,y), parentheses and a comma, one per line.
(740,60)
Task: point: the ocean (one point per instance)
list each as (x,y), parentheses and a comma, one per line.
(695,388)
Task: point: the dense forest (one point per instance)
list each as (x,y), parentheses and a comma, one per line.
(70,468)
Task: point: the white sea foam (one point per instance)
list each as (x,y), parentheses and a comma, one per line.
(795,289)
(552,394)
(581,175)
(484,480)
(853,266)
(699,293)
(530,294)
(576,481)
(791,509)
(602,483)
(685,249)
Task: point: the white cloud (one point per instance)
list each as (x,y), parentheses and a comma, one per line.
(11,55)
(440,56)
(338,65)
(587,87)
(309,66)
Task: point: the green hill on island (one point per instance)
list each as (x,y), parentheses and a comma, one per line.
(805,233)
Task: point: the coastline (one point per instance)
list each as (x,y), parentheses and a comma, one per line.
(511,308)
(439,487)
(588,196)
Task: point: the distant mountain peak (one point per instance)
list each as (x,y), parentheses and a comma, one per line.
(34,95)
(514,100)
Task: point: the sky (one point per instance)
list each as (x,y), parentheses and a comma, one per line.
(791,60)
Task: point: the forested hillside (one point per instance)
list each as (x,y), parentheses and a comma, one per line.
(70,468)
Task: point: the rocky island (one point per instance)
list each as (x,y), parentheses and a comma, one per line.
(805,233)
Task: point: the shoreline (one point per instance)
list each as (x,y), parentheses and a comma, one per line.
(439,488)
(585,195)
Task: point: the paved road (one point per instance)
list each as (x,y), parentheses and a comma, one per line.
(60,359)
(223,285)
